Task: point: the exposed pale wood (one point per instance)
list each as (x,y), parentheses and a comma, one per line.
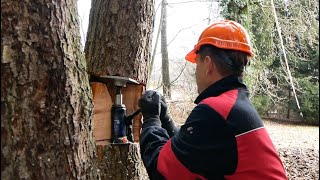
(102,143)
(104,97)
(132,94)
(102,111)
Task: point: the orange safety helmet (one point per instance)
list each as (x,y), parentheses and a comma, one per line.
(225,34)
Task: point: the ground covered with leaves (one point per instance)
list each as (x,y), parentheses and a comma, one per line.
(298,145)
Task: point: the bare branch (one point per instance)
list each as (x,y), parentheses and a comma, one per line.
(185,64)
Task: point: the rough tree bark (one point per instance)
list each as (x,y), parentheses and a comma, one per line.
(118,38)
(119,43)
(46,104)
(164,52)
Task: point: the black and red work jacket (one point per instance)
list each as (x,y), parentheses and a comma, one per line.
(223,138)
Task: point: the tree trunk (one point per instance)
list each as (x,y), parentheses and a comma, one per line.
(120,162)
(154,50)
(289,101)
(164,52)
(119,38)
(119,44)
(46,105)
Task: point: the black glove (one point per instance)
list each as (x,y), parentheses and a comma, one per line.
(150,107)
(166,121)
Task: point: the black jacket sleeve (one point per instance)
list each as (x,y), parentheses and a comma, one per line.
(205,145)
(171,128)
(152,138)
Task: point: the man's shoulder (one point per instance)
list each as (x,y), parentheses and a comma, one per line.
(223,103)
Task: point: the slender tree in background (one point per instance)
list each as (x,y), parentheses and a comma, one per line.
(299,21)
(164,51)
(119,43)
(46,106)
(268,77)
(155,48)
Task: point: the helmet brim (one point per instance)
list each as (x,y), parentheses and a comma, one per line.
(223,44)
(191,56)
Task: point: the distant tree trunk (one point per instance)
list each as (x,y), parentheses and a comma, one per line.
(119,43)
(164,52)
(155,49)
(46,105)
(289,101)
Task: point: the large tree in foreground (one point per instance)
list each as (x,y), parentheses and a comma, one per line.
(119,43)
(46,106)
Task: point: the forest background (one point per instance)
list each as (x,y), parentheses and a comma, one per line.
(283,77)
(49,104)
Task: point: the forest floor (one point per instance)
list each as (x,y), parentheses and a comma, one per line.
(297,145)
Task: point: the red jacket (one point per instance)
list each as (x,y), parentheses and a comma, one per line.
(223,138)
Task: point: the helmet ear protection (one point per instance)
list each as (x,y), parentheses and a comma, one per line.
(225,34)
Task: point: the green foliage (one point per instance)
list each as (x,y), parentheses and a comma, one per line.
(309,99)
(267,77)
(262,103)
(234,10)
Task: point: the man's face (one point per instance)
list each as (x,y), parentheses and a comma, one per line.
(201,73)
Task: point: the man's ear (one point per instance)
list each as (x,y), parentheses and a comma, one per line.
(209,65)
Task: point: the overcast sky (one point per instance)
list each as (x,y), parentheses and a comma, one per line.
(185,23)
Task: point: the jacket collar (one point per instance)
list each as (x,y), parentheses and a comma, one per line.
(221,86)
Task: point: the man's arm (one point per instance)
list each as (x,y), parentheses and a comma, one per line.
(170,127)
(204,147)
(152,136)
(152,139)
(166,120)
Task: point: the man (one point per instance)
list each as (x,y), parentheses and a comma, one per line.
(223,137)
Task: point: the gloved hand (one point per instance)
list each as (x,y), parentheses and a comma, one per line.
(150,107)
(166,121)
(164,117)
